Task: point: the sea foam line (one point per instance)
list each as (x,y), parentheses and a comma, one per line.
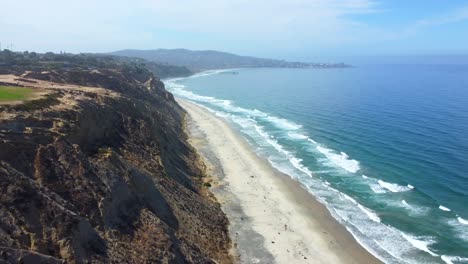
(373,216)
(342,159)
(451,259)
(296,162)
(443,208)
(367,212)
(462,221)
(420,243)
(414,209)
(393,187)
(369,224)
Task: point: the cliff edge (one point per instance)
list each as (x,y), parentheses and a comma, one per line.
(99,170)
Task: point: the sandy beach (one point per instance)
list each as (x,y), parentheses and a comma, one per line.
(272,218)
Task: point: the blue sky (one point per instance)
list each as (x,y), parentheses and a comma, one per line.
(291,29)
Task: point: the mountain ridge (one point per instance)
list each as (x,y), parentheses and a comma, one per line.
(200,60)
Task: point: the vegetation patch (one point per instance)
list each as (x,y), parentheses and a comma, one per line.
(47,101)
(12,93)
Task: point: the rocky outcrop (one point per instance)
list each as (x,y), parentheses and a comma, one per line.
(101,172)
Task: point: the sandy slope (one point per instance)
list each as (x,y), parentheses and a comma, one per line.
(273,219)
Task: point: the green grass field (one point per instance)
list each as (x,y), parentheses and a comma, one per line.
(11,93)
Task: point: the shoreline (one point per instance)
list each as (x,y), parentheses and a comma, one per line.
(273,219)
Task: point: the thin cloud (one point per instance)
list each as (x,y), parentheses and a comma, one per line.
(256,27)
(257,17)
(454,16)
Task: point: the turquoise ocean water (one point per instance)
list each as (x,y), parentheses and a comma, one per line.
(384,147)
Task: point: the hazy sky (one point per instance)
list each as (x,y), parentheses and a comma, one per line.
(273,28)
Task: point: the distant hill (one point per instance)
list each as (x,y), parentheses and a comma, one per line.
(161,70)
(209,59)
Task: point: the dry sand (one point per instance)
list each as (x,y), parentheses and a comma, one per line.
(272,218)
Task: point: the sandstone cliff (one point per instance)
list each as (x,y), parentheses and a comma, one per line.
(99,171)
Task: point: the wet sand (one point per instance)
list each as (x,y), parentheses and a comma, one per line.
(273,219)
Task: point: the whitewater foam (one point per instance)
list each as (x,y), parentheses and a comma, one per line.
(297,163)
(393,187)
(373,216)
(364,224)
(420,243)
(203,74)
(443,208)
(459,228)
(347,197)
(227,105)
(243,122)
(387,251)
(451,259)
(462,221)
(342,160)
(283,123)
(296,136)
(412,209)
(376,188)
(386,242)
(278,147)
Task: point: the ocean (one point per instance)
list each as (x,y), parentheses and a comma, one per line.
(383,146)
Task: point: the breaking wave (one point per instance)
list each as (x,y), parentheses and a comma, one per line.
(340,159)
(393,187)
(420,243)
(451,259)
(272,136)
(443,208)
(462,221)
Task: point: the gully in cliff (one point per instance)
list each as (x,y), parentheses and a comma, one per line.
(95,167)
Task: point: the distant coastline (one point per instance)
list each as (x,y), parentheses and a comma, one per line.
(199,61)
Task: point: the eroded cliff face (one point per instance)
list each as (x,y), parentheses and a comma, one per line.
(100,171)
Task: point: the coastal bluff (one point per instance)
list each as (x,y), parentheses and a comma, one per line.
(99,170)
